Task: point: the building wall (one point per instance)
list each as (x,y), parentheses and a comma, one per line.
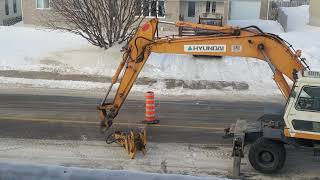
(315,12)
(226,12)
(173,9)
(172,12)
(200,8)
(244,9)
(2,11)
(32,15)
(12,17)
(264,9)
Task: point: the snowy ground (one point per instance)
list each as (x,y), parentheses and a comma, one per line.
(212,160)
(26,48)
(20,171)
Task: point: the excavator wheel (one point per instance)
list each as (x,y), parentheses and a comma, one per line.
(267,156)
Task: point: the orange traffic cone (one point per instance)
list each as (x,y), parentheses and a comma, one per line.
(150,109)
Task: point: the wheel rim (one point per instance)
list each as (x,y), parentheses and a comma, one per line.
(266,158)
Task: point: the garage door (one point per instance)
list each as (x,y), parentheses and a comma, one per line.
(245,9)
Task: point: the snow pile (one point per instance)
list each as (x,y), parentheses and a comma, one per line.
(266,25)
(31,49)
(302,36)
(309,43)
(298,17)
(24,47)
(254,72)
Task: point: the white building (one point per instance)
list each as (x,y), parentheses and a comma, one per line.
(245,9)
(315,12)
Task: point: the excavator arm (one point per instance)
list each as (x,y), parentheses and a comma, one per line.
(226,41)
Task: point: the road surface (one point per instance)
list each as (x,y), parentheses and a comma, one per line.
(63,130)
(75,118)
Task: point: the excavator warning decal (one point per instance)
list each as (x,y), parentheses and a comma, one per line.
(205,48)
(236,48)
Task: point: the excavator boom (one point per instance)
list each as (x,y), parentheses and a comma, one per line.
(226,41)
(298,125)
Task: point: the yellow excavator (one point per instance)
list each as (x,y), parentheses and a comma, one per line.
(298,125)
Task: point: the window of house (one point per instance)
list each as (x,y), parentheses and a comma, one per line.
(211,7)
(43,4)
(138,9)
(152,8)
(146,8)
(161,9)
(214,7)
(6,4)
(309,99)
(191,9)
(14,6)
(208,6)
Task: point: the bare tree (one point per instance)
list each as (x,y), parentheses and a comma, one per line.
(101,22)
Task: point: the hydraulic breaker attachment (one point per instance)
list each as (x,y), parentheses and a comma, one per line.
(242,132)
(238,146)
(316,151)
(132,141)
(106,120)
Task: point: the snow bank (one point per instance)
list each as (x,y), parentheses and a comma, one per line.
(25,47)
(309,43)
(266,25)
(31,49)
(27,172)
(302,36)
(254,72)
(298,17)
(160,87)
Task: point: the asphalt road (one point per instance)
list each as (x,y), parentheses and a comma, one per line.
(63,130)
(75,118)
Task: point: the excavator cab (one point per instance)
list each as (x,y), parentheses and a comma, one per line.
(303,107)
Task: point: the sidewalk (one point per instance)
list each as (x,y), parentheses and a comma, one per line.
(187,159)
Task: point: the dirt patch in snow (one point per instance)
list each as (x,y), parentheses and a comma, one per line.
(204,84)
(169,83)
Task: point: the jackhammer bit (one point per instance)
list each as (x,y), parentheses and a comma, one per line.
(105,121)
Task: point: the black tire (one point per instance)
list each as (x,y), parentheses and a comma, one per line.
(267,156)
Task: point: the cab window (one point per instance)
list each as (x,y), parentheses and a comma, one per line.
(309,99)
(308,126)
